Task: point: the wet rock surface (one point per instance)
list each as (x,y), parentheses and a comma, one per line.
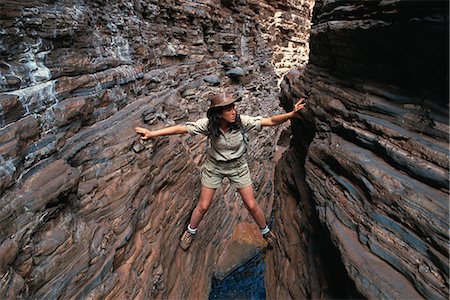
(375,145)
(87,209)
(246,282)
(245,243)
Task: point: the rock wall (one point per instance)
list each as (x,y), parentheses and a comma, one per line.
(374,147)
(359,202)
(86,209)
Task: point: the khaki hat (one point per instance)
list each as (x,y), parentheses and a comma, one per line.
(221,100)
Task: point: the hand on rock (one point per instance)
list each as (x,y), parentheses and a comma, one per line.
(298,107)
(145,133)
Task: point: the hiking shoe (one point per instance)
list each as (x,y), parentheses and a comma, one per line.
(270,238)
(186,240)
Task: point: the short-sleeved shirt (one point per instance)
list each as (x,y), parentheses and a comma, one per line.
(229,145)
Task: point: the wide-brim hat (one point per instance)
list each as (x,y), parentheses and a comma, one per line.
(221,100)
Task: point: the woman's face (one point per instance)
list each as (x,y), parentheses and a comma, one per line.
(229,113)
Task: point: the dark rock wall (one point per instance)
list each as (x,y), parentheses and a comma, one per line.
(376,163)
(86,209)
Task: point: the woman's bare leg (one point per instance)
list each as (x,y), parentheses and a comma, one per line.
(252,206)
(206,195)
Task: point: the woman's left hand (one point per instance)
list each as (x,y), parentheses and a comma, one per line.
(299,106)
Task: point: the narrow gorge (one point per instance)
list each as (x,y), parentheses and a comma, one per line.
(357,191)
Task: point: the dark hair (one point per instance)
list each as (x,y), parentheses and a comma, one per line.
(214,122)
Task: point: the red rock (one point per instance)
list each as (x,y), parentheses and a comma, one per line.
(244,244)
(12,110)
(105,213)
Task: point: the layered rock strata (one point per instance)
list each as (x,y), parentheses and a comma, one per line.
(87,210)
(376,166)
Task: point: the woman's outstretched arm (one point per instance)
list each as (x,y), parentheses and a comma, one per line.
(278,119)
(147,134)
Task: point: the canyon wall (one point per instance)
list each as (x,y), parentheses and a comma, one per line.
(87,209)
(374,149)
(357,192)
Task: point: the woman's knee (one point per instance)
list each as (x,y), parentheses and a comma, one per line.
(202,208)
(252,207)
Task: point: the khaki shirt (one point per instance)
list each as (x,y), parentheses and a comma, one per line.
(229,145)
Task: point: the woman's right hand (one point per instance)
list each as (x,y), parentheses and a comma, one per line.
(145,133)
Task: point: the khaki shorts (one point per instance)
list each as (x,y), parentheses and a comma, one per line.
(213,172)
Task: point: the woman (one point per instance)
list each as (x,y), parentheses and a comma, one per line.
(226,131)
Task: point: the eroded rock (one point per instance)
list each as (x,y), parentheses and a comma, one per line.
(95,211)
(377,162)
(245,243)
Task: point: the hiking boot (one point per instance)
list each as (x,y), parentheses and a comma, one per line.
(270,238)
(186,240)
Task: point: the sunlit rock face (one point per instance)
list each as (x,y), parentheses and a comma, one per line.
(86,209)
(375,144)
